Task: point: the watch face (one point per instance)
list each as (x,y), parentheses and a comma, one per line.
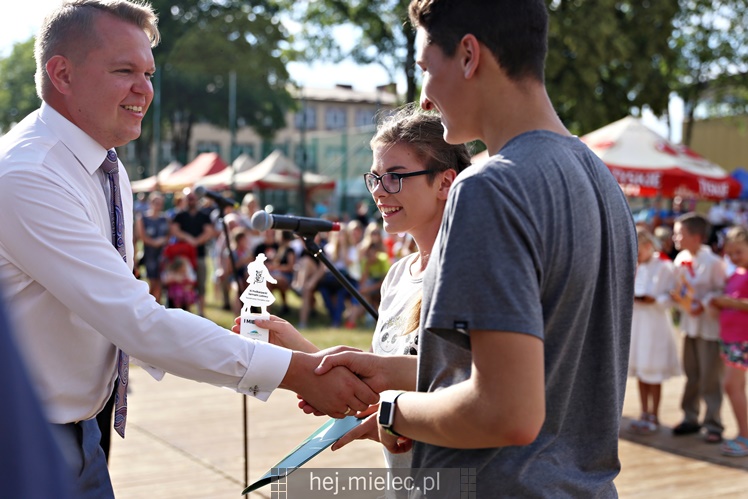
(382,418)
(385,414)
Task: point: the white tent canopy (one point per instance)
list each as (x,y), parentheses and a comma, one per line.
(279,172)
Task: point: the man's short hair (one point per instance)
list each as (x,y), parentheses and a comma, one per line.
(516,32)
(695,224)
(69,29)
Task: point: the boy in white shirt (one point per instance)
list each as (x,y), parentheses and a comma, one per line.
(701,276)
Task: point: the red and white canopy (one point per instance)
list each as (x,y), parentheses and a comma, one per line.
(204,164)
(647,165)
(278,172)
(223,179)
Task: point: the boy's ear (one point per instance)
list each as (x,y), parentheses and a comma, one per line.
(446,182)
(470,55)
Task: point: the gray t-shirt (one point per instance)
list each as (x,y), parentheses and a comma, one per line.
(538,240)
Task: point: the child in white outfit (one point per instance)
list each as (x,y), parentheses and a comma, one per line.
(701,277)
(653,357)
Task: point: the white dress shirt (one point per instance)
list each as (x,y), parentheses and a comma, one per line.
(706,273)
(74,299)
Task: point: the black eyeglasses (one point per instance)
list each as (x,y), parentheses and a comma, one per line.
(392,181)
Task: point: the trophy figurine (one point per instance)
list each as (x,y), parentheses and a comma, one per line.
(256,295)
(683,294)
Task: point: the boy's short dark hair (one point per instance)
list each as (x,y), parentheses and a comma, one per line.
(516,32)
(695,224)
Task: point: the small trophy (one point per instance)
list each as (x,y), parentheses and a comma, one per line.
(256,295)
(685,294)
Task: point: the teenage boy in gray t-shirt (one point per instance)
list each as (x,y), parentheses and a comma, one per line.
(528,294)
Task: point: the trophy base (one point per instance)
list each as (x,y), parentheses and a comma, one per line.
(250,330)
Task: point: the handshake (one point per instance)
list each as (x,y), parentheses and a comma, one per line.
(342,381)
(338,381)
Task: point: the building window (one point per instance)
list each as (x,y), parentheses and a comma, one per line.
(282,147)
(335,118)
(248,149)
(205,146)
(365,117)
(311,119)
(299,157)
(334,156)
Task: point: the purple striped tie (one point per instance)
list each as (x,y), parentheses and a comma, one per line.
(110,167)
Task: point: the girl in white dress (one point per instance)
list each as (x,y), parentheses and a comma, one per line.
(653,357)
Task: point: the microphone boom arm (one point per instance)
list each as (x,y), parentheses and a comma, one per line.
(314,250)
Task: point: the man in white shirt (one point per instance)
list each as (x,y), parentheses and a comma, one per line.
(74,297)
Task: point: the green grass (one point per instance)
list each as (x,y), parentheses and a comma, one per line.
(318,329)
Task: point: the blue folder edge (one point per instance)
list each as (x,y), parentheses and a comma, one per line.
(321,439)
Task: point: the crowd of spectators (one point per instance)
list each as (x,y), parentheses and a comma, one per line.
(176,243)
(674,241)
(691,281)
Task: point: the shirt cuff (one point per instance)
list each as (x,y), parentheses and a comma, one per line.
(266,370)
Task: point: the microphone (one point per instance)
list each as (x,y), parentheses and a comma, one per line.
(221,201)
(262,221)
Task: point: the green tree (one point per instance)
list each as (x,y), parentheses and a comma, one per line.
(382,34)
(17,92)
(202,42)
(606,57)
(711,71)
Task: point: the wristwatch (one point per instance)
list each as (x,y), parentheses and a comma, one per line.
(387,404)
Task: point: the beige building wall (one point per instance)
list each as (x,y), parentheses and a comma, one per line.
(323,105)
(341,122)
(722,140)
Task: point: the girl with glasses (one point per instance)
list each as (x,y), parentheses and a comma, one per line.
(411,174)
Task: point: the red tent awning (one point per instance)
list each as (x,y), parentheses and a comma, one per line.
(204,164)
(646,164)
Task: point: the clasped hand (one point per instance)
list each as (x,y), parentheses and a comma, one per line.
(337,392)
(372,369)
(346,363)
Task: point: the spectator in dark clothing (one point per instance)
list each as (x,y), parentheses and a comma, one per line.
(195,227)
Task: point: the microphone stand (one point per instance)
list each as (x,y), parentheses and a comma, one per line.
(313,248)
(240,290)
